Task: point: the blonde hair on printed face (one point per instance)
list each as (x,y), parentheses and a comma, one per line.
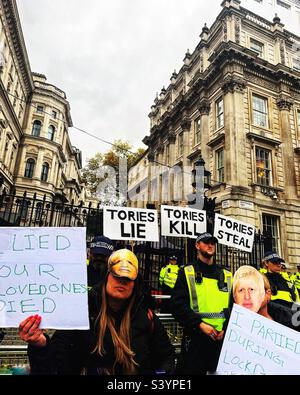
(248,272)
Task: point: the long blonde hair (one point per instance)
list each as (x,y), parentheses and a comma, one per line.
(120,337)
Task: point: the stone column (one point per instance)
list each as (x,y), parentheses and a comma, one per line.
(235,136)
(285,103)
(204,109)
(172,147)
(22,162)
(39,163)
(186,170)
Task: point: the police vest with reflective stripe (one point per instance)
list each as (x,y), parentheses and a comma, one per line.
(288,296)
(169,275)
(263,270)
(207,299)
(296,279)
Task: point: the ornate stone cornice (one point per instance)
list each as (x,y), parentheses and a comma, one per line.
(185,124)
(17,40)
(233,84)
(204,107)
(147,140)
(151,156)
(172,137)
(284,102)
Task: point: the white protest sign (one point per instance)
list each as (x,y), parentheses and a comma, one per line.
(182,222)
(43,271)
(123,223)
(255,345)
(234,233)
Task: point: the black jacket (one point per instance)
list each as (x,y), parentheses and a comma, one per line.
(69,351)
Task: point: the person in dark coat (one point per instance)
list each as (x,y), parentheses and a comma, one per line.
(101,248)
(125,336)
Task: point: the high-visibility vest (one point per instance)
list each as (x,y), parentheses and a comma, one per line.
(296,279)
(263,270)
(168,275)
(207,299)
(286,295)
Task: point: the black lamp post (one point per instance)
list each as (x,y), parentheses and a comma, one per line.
(204,184)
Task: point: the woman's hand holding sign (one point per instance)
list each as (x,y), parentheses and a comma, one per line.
(30,332)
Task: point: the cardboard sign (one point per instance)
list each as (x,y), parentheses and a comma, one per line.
(234,233)
(182,222)
(123,223)
(255,345)
(43,271)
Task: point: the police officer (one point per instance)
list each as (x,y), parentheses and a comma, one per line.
(198,302)
(167,279)
(283,289)
(168,274)
(296,279)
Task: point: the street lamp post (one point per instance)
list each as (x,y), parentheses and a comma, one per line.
(201,184)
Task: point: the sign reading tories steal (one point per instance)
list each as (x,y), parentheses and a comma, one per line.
(255,345)
(123,223)
(234,233)
(43,271)
(182,222)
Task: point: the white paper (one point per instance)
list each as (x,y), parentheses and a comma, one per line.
(233,233)
(43,271)
(255,345)
(122,223)
(182,222)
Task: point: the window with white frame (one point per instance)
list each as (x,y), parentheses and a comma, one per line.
(271,232)
(197,128)
(260,111)
(165,186)
(263,166)
(29,169)
(220,165)
(36,128)
(257,46)
(220,112)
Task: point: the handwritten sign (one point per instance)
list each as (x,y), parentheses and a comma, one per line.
(255,345)
(234,233)
(182,222)
(123,223)
(43,271)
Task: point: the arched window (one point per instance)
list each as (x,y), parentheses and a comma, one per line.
(29,168)
(36,128)
(45,172)
(51,131)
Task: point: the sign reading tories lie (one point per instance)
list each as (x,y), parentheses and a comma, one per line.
(182,222)
(255,345)
(43,271)
(234,233)
(123,223)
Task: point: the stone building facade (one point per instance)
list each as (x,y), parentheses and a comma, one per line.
(236,101)
(36,154)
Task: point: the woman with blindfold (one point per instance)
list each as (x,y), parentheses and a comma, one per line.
(125,337)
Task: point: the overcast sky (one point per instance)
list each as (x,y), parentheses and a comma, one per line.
(111,57)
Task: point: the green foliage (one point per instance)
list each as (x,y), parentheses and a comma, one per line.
(120,149)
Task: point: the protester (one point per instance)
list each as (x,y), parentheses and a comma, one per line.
(167,279)
(125,337)
(275,311)
(248,288)
(101,248)
(283,290)
(198,301)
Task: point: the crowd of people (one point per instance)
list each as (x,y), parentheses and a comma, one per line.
(127,337)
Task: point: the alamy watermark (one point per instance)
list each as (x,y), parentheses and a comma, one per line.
(155,183)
